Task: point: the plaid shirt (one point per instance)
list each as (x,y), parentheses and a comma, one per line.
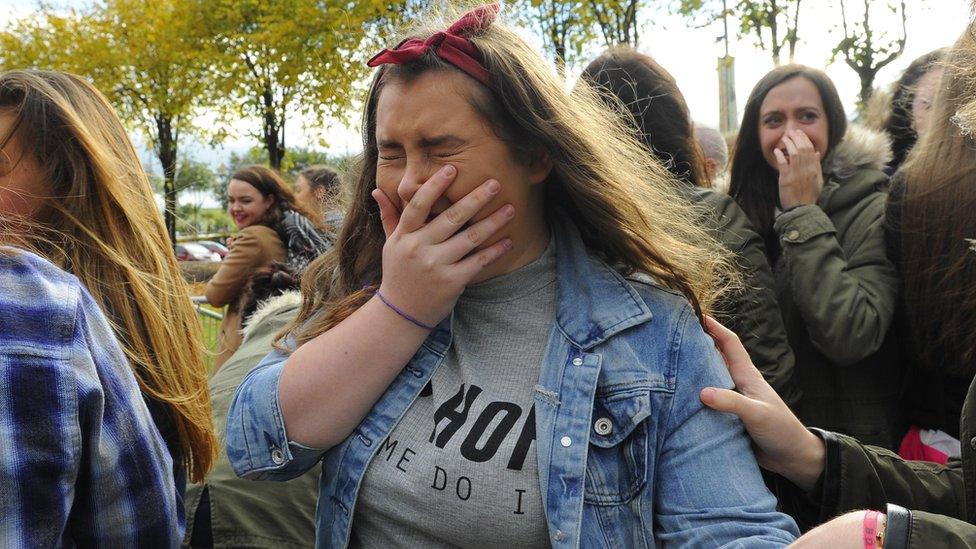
(81,462)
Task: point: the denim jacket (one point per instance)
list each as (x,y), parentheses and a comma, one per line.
(628,456)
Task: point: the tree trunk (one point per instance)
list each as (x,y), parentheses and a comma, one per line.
(560,51)
(166,151)
(867,87)
(273,141)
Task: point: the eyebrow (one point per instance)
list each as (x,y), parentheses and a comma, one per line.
(800,108)
(426,142)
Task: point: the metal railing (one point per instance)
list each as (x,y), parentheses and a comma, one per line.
(210,320)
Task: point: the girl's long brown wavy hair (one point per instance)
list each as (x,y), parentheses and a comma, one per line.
(623,201)
(938,227)
(638,87)
(99,221)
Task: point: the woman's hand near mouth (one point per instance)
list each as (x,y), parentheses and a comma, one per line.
(800,173)
(428,261)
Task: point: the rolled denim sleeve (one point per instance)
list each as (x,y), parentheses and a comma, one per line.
(257,443)
(709,491)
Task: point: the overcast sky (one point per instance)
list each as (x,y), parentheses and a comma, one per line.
(689,53)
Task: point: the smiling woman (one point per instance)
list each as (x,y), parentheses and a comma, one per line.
(526,355)
(268,216)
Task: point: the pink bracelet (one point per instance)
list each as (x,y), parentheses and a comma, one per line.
(871,534)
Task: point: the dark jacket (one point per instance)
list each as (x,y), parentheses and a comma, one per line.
(752,313)
(838,290)
(857,476)
(934,396)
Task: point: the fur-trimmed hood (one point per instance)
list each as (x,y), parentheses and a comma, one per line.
(854,170)
(291,299)
(861,148)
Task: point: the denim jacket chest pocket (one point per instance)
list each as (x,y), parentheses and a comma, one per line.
(616,468)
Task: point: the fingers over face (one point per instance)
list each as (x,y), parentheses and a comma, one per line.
(417,210)
(453,219)
(791,147)
(389,215)
(781,158)
(462,243)
(801,140)
(469,267)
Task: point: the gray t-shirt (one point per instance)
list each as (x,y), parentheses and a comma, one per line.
(459,469)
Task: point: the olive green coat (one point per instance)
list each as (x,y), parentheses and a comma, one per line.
(248,513)
(838,290)
(942,498)
(752,312)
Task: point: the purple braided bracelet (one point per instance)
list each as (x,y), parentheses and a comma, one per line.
(400,312)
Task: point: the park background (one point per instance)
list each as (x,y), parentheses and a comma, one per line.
(206,86)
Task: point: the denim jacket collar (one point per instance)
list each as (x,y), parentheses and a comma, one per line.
(594,301)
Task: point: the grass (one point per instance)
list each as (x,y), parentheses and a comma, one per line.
(211,332)
(210,325)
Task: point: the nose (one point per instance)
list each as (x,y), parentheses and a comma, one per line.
(415,174)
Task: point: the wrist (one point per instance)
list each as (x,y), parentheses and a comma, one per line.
(790,203)
(787,209)
(807,465)
(395,309)
(873,529)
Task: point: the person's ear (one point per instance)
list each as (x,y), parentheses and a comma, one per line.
(319,193)
(711,169)
(540,165)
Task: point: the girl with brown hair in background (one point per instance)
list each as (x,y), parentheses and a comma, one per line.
(273,226)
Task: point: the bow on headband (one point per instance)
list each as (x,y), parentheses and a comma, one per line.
(451,45)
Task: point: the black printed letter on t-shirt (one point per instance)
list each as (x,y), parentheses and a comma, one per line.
(454,417)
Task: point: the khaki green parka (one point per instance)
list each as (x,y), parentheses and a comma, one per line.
(838,291)
(942,498)
(245,513)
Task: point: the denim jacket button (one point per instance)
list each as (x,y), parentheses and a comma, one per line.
(277,456)
(566,441)
(558,536)
(577,361)
(972,443)
(793,235)
(603,426)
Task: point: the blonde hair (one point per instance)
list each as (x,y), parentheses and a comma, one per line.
(938,220)
(98,220)
(625,203)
